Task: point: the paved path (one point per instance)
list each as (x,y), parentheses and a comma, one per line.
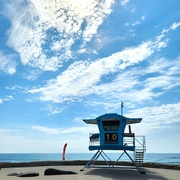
(93,173)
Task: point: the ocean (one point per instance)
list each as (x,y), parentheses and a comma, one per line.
(165,158)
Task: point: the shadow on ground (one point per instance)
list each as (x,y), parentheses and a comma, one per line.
(124,174)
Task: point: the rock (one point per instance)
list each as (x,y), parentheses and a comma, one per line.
(51,171)
(13,174)
(28,174)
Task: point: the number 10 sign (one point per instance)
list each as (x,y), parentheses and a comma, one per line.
(111,138)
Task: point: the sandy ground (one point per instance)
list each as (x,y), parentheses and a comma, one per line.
(93,173)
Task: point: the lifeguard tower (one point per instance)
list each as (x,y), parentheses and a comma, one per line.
(112,136)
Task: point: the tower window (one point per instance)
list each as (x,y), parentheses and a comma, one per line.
(110,125)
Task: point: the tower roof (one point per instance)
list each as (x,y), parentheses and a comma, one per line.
(113,116)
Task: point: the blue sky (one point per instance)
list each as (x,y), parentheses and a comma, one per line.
(65,61)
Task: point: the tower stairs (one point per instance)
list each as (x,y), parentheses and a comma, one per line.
(140,149)
(139,156)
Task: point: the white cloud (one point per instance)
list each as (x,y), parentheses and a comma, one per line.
(52,109)
(137,22)
(143,18)
(81,78)
(7,130)
(43,32)
(6,98)
(156,117)
(77,119)
(163,82)
(7,63)
(124,2)
(15,87)
(139,85)
(70,130)
(167,76)
(32,74)
(162,34)
(51,139)
(175,25)
(24,144)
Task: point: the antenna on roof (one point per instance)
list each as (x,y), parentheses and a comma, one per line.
(122,105)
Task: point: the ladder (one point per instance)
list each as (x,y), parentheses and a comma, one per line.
(140,149)
(139,157)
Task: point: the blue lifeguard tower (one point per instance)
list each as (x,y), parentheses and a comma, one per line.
(112,136)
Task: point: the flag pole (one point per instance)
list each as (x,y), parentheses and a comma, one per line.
(122,105)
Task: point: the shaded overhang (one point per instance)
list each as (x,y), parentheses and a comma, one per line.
(133,120)
(90,121)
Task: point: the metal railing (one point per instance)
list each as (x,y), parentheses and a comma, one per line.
(94,139)
(128,140)
(140,143)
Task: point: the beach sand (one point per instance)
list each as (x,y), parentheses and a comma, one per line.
(126,173)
